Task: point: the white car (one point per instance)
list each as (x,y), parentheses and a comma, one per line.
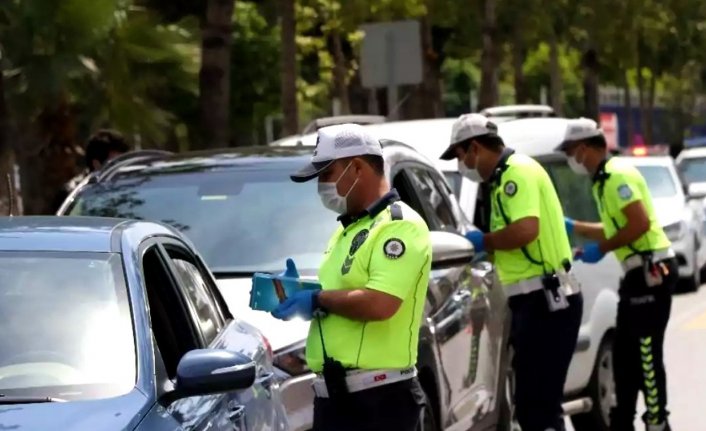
(589,386)
(691,164)
(504,113)
(681,222)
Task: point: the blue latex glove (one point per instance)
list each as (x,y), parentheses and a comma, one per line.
(477,238)
(291,270)
(591,253)
(300,304)
(569,225)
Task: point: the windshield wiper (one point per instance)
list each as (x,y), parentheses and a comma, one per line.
(5,400)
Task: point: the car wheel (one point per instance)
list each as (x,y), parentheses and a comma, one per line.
(692,283)
(427,419)
(601,391)
(507,420)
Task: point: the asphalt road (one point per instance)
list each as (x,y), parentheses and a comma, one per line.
(685,357)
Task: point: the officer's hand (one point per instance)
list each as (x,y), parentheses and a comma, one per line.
(291,270)
(591,253)
(300,304)
(477,238)
(569,225)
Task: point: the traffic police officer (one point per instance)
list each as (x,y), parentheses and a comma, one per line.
(374,280)
(630,229)
(533,259)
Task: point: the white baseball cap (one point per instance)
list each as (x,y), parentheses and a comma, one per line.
(579,129)
(468,126)
(338,142)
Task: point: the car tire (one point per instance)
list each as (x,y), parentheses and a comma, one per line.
(601,391)
(427,417)
(507,420)
(692,283)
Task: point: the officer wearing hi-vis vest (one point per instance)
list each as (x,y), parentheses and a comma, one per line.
(630,229)
(533,259)
(365,331)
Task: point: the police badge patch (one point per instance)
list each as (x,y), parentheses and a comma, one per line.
(510,188)
(624,192)
(394,248)
(358,240)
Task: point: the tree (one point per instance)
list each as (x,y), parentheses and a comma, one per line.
(489,56)
(214,78)
(288,67)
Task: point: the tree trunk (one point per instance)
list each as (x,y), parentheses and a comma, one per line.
(649,123)
(48,158)
(289,69)
(339,73)
(519,54)
(489,72)
(6,165)
(214,78)
(629,124)
(556,85)
(590,84)
(424,100)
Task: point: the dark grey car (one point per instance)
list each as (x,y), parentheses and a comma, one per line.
(244,215)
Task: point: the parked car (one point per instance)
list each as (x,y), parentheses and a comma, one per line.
(683,224)
(117,325)
(504,113)
(589,386)
(245,215)
(691,164)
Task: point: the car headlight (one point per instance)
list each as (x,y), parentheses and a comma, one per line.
(675,231)
(292,360)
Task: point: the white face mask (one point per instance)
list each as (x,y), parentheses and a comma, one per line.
(471,174)
(330,197)
(577,166)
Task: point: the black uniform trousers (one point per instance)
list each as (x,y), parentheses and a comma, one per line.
(396,406)
(643,313)
(543,344)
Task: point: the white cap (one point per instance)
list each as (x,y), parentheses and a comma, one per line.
(468,126)
(577,130)
(338,142)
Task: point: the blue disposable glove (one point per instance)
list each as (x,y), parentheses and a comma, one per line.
(291,270)
(300,304)
(591,253)
(477,238)
(569,225)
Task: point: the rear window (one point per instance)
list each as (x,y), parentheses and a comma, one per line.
(245,219)
(659,180)
(693,170)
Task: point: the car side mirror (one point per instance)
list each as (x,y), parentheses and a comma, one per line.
(211,371)
(696,191)
(450,249)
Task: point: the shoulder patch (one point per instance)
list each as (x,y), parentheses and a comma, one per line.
(510,188)
(394,248)
(624,192)
(358,240)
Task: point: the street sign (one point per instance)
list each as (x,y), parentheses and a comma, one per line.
(609,125)
(391,55)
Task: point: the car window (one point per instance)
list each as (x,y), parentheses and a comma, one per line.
(198,294)
(241,219)
(693,170)
(574,193)
(67,329)
(436,199)
(659,180)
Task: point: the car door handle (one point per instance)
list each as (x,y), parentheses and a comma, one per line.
(266,379)
(236,413)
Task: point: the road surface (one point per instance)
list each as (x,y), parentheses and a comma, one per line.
(685,357)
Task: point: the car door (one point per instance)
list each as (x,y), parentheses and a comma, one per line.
(259,407)
(469,348)
(174,333)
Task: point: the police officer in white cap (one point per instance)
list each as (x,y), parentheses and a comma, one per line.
(533,259)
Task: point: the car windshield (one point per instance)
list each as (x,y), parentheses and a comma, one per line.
(67,329)
(659,180)
(454,179)
(242,220)
(693,170)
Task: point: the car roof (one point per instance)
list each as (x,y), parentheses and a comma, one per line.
(666,161)
(68,234)
(688,153)
(517,109)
